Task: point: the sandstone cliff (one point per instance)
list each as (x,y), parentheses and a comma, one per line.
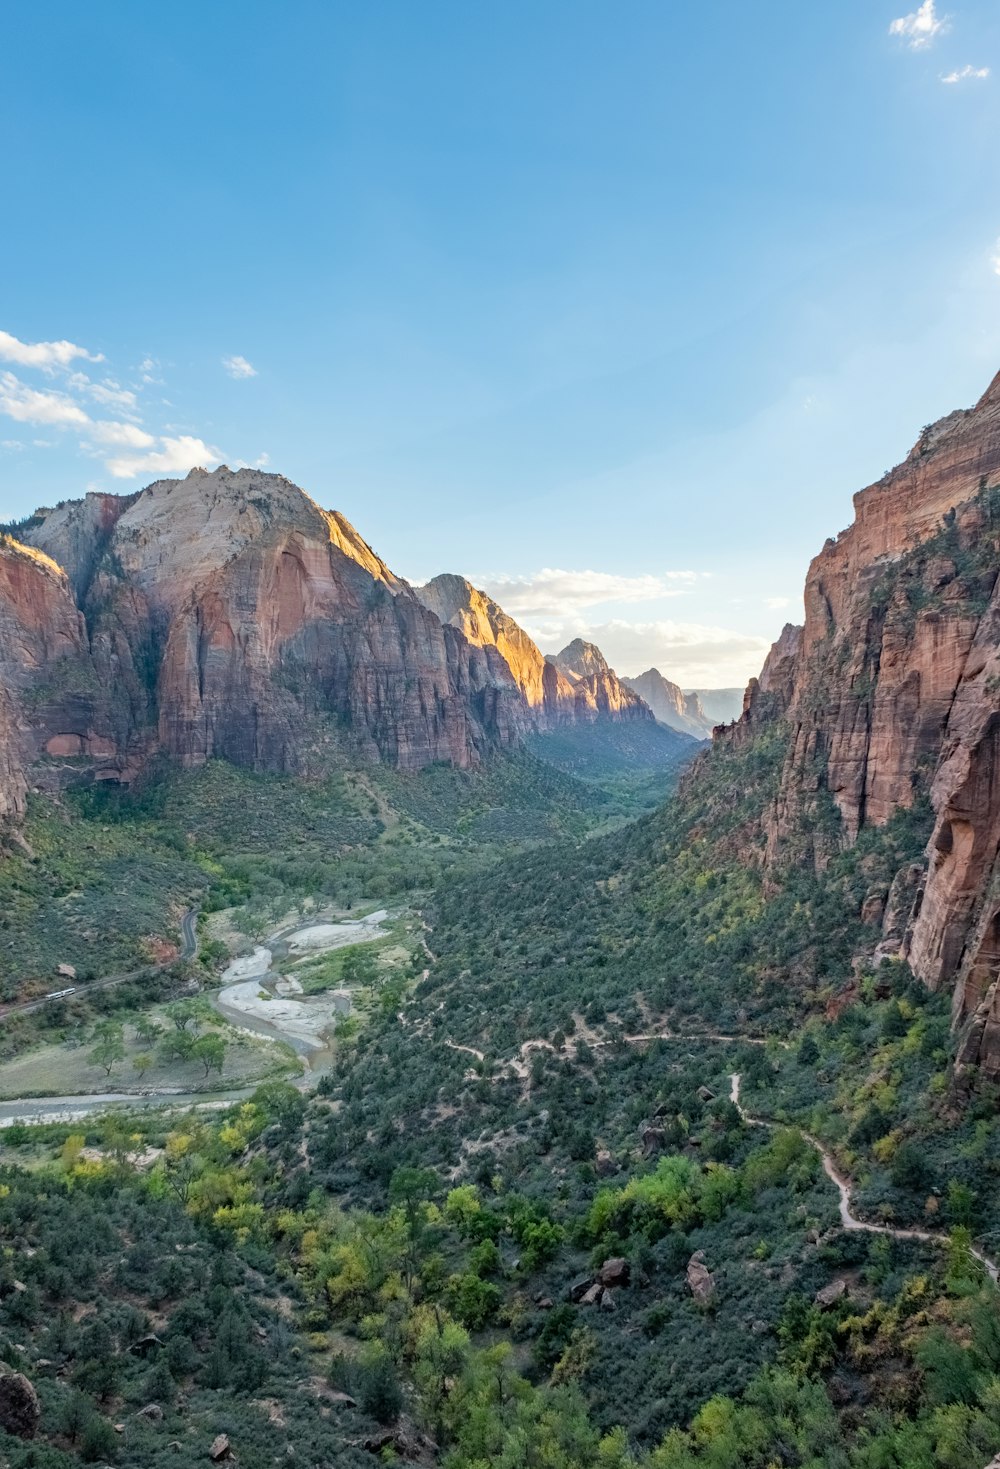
(52,706)
(892,688)
(671,705)
(227,615)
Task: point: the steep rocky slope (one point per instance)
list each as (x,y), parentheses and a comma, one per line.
(670,705)
(52,704)
(891,691)
(227,615)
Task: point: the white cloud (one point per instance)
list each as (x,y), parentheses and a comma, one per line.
(28,405)
(921,27)
(12,444)
(239,367)
(46,355)
(776,603)
(182,453)
(695,655)
(551,591)
(965,74)
(126,435)
(112,395)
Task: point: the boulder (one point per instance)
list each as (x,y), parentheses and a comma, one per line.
(701,1282)
(593,1295)
(221,1448)
(706,1094)
(607,1301)
(20,1410)
(614,1272)
(654,1139)
(830,1294)
(152,1412)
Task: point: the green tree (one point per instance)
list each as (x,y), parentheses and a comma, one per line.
(110,1047)
(210,1050)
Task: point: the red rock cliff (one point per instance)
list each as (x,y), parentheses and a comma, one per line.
(229,616)
(893,687)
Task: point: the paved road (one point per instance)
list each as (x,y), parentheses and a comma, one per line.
(189,948)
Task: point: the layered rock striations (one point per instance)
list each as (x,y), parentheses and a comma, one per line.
(572,687)
(226,615)
(671,705)
(892,689)
(52,705)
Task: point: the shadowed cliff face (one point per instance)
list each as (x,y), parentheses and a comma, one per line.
(227,615)
(892,690)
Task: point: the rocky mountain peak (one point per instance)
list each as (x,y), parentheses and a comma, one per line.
(581,659)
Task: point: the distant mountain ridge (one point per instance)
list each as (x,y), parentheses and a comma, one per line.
(671,706)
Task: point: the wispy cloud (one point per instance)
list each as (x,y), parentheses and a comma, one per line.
(124,435)
(966,74)
(46,355)
(921,27)
(30,405)
(551,591)
(173,456)
(239,367)
(125,445)
(776,603)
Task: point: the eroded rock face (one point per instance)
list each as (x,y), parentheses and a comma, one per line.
(893,687)
(226,615)
(51,700)
(548,694)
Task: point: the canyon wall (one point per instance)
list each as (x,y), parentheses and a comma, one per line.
(891,691)
(226,615)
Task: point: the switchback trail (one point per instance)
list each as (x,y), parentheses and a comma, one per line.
(848,1219)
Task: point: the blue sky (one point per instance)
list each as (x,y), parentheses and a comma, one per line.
(609,306)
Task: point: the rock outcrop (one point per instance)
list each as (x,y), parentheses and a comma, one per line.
(671,705)
(891,689)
